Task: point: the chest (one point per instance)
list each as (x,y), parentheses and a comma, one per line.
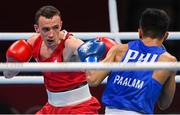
(45,52)
(60,54)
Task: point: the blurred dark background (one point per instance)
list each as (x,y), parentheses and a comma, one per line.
(78,16)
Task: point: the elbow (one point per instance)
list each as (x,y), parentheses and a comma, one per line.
(92,82)
(164,107)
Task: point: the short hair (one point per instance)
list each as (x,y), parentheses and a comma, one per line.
(154,22)
(46,11)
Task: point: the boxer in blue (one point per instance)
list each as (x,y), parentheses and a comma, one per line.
(137,92)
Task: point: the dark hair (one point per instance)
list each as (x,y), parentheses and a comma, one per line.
(154,22)
(46,11)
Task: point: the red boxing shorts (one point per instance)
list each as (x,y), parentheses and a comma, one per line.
(88,107)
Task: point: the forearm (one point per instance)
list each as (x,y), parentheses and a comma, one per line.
(95,77)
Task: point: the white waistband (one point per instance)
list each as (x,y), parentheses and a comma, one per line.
(114,111)
(71,97)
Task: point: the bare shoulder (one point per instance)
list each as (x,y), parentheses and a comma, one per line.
(73,42)
(117,52)
(120,47)
(167,57)
(73,39)
(32,38)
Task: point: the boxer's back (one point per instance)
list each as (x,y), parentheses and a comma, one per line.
(134,90)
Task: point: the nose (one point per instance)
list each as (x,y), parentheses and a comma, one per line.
(51,33)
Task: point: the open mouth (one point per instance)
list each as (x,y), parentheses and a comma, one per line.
(50,41)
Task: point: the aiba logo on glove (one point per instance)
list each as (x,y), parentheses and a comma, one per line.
(85,47)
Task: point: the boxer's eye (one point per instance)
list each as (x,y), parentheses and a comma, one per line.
(45,29)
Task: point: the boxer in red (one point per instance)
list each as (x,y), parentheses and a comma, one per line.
(68,92)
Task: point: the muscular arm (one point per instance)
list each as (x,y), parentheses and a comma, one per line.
(95,77)
(167,94)
(167,79)
(70,51)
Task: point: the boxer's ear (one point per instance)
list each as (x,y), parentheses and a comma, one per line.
(165,36)
(36,28)
(140,33)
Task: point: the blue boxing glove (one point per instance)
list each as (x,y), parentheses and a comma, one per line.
(92,51)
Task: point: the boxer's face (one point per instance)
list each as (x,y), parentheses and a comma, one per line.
(49,28)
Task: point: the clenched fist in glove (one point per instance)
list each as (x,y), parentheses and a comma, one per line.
(19,51)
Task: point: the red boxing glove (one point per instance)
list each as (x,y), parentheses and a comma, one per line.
(20,50)
(108,42)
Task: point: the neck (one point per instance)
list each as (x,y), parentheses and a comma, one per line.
(49,48)
(152,41)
